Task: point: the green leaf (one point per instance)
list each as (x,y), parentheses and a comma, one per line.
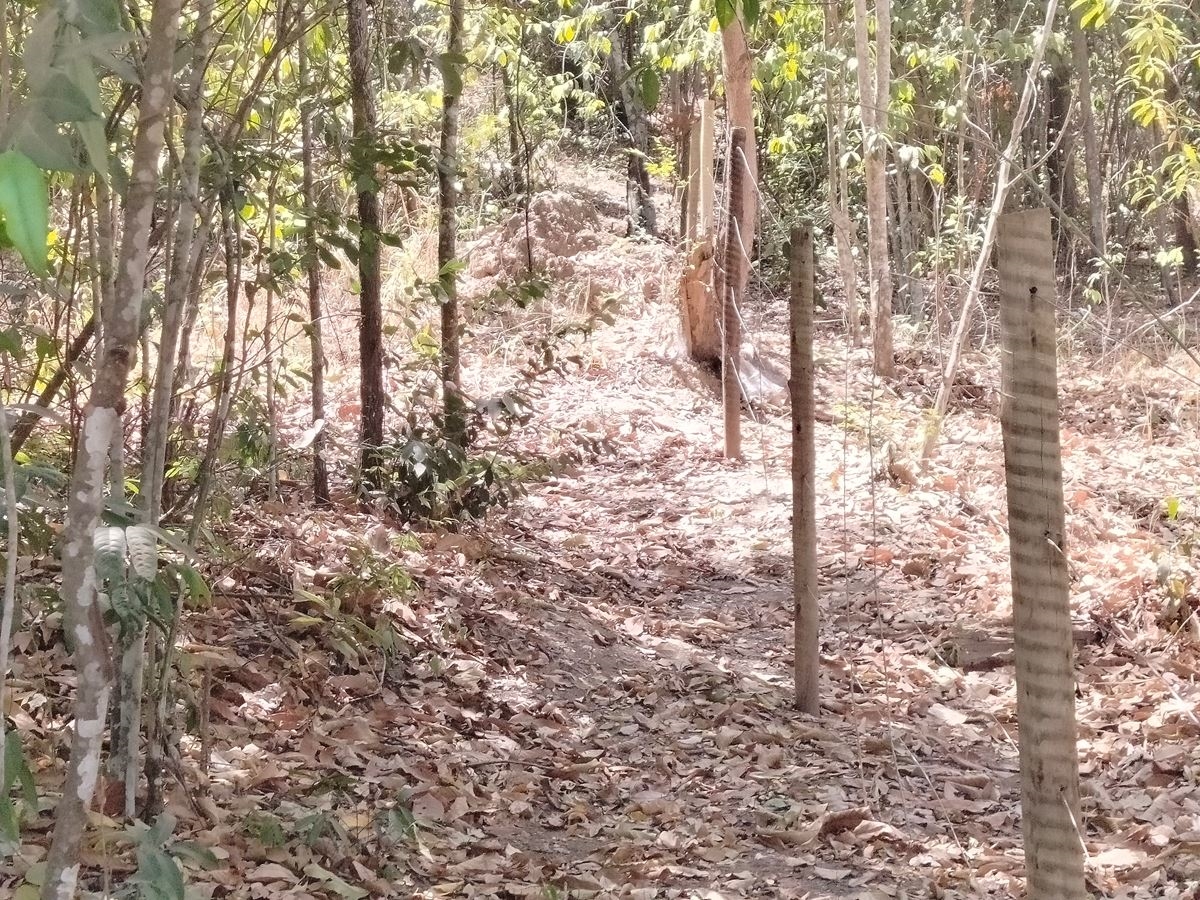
(197,854)
(17,769)
(449,65)
(651,87)
(65,101)
(334,883)
(91,132)
(25,206)
(44,142)
(329,258)
(198,590)
(10,343)
(726,13)
(750,8)
(452,267)
(98,16)
(157,875)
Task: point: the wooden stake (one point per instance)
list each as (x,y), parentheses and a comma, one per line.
(807,667)
(1041,601)
(732,261)
(691,231)
(707,188)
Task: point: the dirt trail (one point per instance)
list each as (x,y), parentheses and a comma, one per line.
(589,695)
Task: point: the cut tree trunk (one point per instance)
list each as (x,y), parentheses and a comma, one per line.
(807,641)
(698,301)
(1050,815)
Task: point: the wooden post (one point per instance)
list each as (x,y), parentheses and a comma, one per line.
(1041,602)
(699,283)
(807,664)
(707,188)
(732,261)
(691,231)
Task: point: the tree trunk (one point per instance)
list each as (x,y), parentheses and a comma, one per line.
(370,328)
(1000,194)
(697,285)
(28,421)
(1091,148)
(312,267)
(844,235)
(224,387)
(268,336)
(874,90)
(642,215)
(806,667)
(515,138)
(734,256)
(1050,817)
(738,69)
(1059,149)
(451,359)
(101,426)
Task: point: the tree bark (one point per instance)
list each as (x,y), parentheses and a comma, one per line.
(807,643)
(1059,148)
(516,157)
(642,215)
(101,426)
(734,257)
(320,475)
(844,234)
(738,70)
(28,421)
(224,387)
(453,406)
(1091,147)
(1000,194)
(370,328)
(874,91)
(1050,815)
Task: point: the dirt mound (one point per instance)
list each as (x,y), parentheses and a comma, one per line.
(569,242)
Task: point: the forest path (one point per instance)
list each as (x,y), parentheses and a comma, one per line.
(589,694)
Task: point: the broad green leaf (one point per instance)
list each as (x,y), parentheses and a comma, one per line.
(44,142)
(158,876)
(91,132)
(751,9)
(16,769)
(10,343)
(651,87)
(25,206)
(63,100)
(98,16)
(197,854)
(725,12)
(452,267)
(450,65)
